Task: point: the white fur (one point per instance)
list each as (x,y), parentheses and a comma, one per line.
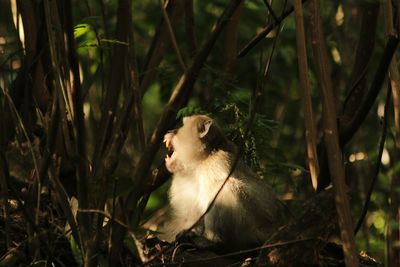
(245,213)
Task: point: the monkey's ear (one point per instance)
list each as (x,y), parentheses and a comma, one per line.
(204,127)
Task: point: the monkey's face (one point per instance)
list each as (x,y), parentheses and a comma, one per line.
(187,145)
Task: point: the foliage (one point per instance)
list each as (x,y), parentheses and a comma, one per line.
(123,98)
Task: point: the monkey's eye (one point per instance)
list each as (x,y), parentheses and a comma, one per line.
(174,131)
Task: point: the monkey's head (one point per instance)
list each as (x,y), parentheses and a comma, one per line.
(189,145)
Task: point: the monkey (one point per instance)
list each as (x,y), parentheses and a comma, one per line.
(245,213)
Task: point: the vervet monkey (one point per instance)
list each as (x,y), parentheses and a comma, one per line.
(245,213)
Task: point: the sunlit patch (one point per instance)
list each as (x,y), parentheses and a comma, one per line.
(86,110)
(377,220)
(357,156)
(336,55)
(296,172)
(339,17)
(17,19)
(385,157)
(16,64)
(381,109)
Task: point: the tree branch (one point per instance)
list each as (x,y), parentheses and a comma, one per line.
(347,131)
(157,48)
(356,85)
(78,119)
(378,161)
(190,27)
(305,92)
(173,38)
(331,137)
(180,95)
(270,10)
(246,49)
(114,86)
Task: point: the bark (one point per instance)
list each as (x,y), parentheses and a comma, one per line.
(393,230)
(331,137)
(305,92)
(357,83)
(173,38)
(115,82)
(231,41)
(260,36)
(190,27)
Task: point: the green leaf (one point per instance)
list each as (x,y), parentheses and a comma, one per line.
(76,251)
(81,29)
(188,111)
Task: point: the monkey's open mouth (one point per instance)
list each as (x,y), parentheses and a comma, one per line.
(170,147)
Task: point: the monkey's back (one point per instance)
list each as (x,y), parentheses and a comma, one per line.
(245,213)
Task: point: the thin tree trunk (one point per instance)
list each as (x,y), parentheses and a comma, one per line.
(305,92)
(331,138)
(393,229)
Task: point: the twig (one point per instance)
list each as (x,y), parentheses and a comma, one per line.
(253,107)
(63,200)
(246,49)
(231,41)
(305,92)
(78,119)
(51,136)
(238,253)
(331,137)
(66,109)
(390,13)
(349,128)
(190,27)
(157,48)
(268,64)
(256,95)
(178,98)
(22,203)
(113,138)
(270,10)
(347,131)
(393,232)
(60,193)
(4,180)
(135,85)
(365,47)
(173,38)
(30,145)
(378,162)
(111,155)
(55,64)
(116,139)
(110,229)
(115,83)
(154,180)
(13,256)
(108,216)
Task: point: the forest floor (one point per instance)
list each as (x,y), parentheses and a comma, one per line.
(43,239)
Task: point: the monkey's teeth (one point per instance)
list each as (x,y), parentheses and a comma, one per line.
(167,143)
